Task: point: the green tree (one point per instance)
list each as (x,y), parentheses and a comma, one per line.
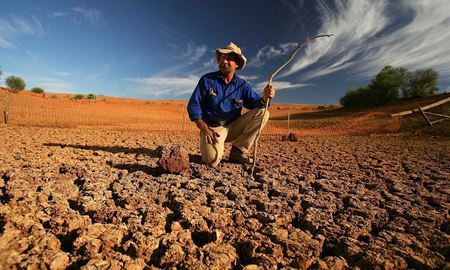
(405,76)
(423,82)
(388,83)
(15,82)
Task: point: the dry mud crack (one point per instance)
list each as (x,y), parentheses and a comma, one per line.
(94,199)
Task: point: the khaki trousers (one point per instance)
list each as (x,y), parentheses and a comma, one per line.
(241,132)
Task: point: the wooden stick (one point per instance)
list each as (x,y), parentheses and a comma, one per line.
(5,116)
(438,114)
(425,116)
(429,106)
(299,47)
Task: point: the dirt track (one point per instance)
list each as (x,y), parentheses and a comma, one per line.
(75,198)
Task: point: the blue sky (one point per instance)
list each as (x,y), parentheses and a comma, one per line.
(159,49)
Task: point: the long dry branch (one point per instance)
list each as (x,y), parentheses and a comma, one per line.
(299,47)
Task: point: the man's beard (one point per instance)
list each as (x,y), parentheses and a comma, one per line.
(226,68)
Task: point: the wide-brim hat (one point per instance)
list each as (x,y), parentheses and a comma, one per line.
(233,48)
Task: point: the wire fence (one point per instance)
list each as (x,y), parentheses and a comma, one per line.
(52,111)
(27,109)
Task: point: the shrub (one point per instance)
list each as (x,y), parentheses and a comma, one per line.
(37,90)
(78,96)
(15,82)
(357,98)
(91,97)
(423,82)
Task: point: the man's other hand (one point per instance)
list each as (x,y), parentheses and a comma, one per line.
(269,93)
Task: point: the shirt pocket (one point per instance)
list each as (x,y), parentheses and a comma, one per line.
(237,103)
(212,99)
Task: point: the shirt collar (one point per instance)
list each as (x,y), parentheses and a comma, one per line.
(235,77)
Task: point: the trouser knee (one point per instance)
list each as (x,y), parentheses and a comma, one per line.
(210,161)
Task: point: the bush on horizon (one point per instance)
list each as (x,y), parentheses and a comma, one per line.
(78,97)
(91,97)
(387,86)
(15,82)
(37,90)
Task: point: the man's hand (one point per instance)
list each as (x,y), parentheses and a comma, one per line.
(269,93)
(211,135)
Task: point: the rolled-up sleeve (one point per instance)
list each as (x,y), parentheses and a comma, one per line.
(252,99)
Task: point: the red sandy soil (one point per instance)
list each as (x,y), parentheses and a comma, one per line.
(93,197)
(61,110)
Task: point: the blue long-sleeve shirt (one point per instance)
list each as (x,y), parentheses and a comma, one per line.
(216,102)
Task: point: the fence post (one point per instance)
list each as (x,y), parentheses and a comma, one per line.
(289,118)
(5,116)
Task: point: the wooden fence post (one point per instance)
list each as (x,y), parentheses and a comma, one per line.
(5,116)
(289,118)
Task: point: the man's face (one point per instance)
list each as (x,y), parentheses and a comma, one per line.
(227,62)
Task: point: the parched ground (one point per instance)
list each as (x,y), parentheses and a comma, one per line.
(95,199)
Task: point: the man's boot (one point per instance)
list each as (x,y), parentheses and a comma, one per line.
(237,156)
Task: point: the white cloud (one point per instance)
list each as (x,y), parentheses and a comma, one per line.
(102,71)
(60,14)
(15,26)
(5,43)
(92,16)
(268,52)
(371,34)
(185,56)
(158,86)
(61,73)
(280,85)
(57,86)
(211,63)
(78,15)
(190,53)
(249,77)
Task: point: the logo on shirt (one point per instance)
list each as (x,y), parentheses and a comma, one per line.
(238,102)
(212,92)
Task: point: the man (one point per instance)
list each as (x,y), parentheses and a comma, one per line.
(216,104)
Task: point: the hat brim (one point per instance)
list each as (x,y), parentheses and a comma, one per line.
(241,59)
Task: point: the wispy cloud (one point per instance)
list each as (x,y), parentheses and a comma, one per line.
(211,63)
(57,86)
(409,33)
(268,52)
(11,28)
(61,73)
(60,14)
(249,77)
(159,86)
(78,15)
(101,72)
(186,56)
(281,85)
(178,79)
(92,16)
(190,53)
